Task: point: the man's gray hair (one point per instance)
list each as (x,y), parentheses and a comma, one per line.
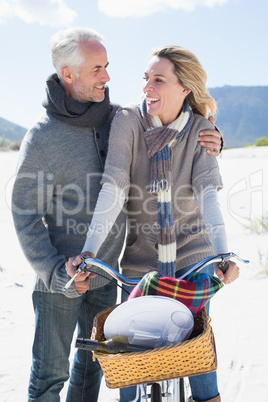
(64,47)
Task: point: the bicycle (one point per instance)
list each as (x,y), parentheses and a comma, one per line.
(172,389)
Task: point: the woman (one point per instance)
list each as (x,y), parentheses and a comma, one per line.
(169,182)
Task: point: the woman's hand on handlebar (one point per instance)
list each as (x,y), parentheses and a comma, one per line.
(82,280)
(230,275)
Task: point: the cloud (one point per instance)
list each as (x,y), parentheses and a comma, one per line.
(44,12)
(141,8)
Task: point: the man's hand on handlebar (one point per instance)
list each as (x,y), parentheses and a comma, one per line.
(230,275)
(82,280)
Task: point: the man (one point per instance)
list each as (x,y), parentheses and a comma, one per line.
(55,192)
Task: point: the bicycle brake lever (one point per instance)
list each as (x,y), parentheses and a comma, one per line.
(224,265)
(68,284)
(81,267)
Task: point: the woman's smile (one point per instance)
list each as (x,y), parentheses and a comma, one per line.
(164,94)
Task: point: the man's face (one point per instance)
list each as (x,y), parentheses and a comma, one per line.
(89,84)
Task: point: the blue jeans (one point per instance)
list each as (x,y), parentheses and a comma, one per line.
(203,387)
(56,317)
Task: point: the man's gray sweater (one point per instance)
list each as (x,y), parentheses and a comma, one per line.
(54,196)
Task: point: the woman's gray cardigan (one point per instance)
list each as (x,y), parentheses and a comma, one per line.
(193,170)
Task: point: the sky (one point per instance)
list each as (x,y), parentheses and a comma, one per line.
(229,37)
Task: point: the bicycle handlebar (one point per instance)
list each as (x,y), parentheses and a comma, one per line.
(222,260)
(86,263)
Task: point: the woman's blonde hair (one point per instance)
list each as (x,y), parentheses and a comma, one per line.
(191,75)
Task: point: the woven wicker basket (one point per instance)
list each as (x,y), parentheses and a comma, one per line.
(195,356)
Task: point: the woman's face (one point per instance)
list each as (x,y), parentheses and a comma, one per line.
(164,94)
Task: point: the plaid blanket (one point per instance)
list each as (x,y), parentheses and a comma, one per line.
(194,291)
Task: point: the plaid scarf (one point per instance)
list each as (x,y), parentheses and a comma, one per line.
(159,139)
(194,292)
